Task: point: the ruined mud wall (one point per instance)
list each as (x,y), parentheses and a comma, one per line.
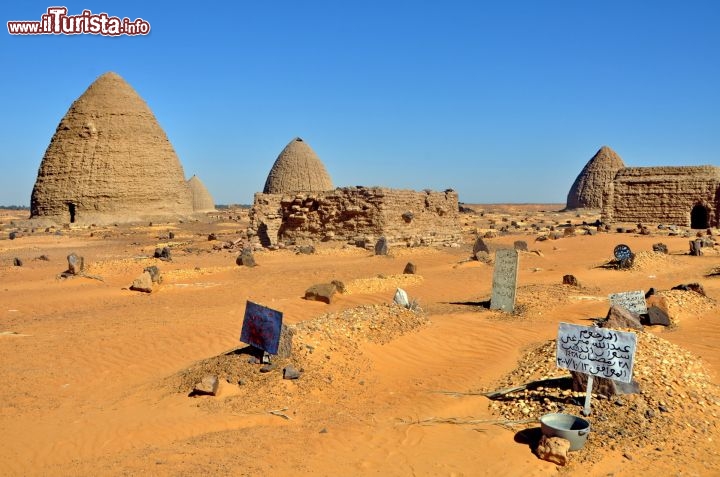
(664,195)
(356,214)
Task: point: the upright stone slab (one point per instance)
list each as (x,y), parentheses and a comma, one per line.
(504,280)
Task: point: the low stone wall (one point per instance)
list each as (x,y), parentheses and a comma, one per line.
(664,195)
(355,214)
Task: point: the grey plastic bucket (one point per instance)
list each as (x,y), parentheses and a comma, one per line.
(573,428)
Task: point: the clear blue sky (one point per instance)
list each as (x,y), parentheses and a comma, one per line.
(503,101)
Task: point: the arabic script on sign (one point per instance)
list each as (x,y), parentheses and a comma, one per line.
(601,352)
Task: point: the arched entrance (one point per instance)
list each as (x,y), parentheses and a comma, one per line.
(699,217)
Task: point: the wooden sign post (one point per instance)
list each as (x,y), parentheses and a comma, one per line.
(596,352)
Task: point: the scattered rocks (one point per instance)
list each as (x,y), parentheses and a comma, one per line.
(321,292)
(246,258)
(553,449)
(410,269)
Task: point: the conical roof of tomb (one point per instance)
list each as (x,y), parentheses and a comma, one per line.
(297,169)
(109,160)
(202,200)
(589,186)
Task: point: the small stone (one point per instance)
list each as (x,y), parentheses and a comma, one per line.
(17,262)
(520,245)
(290,373)
(620,317)
(553,449)
(143,283)
(660,248)
(381,246)
(208,386)
(410,269)
(266,368)
(570,280)
(306,249)
(76,264)
(212,237)
(321,292)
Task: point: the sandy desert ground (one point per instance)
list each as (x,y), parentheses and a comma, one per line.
(96,378)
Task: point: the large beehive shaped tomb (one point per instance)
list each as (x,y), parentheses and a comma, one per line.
(297,169)
(202,200)
(592,182)
(110,161)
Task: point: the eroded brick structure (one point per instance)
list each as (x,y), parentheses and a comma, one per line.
(353,214)
(681,195)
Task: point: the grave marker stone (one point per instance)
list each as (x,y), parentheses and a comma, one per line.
(261,327)
(596,351)
(632,301)
(504,283)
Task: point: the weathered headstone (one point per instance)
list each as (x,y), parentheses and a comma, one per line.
(660,248)
(154,273)
(381,246)
(143,283)
(207,386)
(321,292)
(479,246)
(410,269)
(696,247)
(504,283)
(520,246)
(633,301)
(658,316)
(76,264)
(246,258)
(620,317)
(401,298)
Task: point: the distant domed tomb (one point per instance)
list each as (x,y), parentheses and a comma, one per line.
(202,200)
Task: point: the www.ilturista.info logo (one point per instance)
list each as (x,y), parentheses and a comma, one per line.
(57,22)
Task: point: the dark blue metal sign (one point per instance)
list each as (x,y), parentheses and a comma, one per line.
(261,327)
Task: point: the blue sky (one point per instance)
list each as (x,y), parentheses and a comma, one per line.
(501,101)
